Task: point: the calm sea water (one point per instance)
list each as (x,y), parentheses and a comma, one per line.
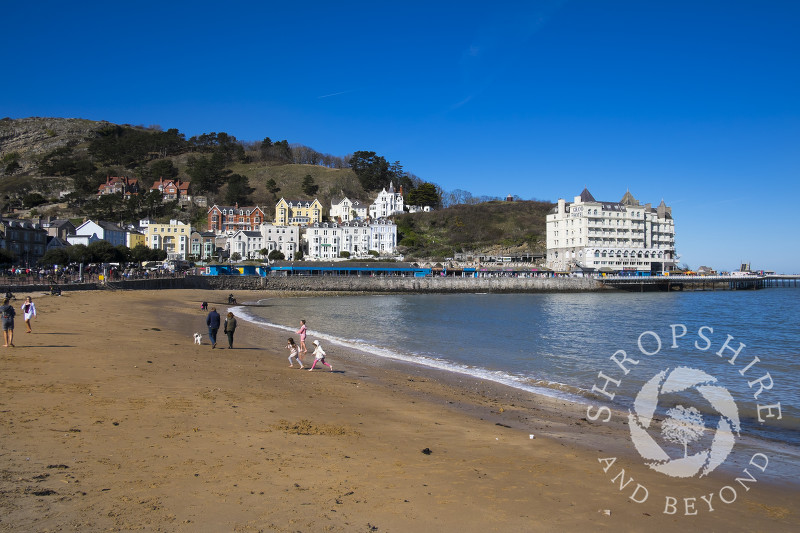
(557,344)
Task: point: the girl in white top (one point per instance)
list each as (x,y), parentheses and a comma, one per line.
(293,353)
(319,357)
(28,311)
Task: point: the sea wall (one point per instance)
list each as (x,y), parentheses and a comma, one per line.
(335,284)
(394,284)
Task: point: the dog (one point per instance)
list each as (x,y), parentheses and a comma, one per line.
(198,339)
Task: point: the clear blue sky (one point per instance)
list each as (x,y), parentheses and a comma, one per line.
(696,103)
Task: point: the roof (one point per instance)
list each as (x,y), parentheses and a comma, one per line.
(56,222)
(243,209)
(628,199)
(294,203)
(109,226)
(586,196)
(181,185)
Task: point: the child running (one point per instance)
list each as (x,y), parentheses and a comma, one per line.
(319,357)
(293,353)
(303,331)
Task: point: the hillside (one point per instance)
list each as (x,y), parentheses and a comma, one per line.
(52,167)
(498,227)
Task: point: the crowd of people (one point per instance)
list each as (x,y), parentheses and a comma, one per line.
(73,274)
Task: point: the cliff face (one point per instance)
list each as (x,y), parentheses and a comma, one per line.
(33,137)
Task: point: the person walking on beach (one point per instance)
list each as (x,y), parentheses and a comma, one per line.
(319,357)
(28,312)
(293,353)
(303,332)
(212,321)
(230,327)
(7,314)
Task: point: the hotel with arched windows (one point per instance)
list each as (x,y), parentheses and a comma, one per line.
(592,236)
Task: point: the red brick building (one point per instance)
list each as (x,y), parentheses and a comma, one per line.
(172,189)
(224,218)
(119,184)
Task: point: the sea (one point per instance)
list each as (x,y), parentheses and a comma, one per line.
(565,344)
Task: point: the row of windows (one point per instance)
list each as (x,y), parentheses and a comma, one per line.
(242,212)
(168,229)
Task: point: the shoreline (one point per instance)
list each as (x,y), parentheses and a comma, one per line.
(200,430)
(558,403)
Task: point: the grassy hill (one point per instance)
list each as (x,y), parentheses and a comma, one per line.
(332,182)
(498,227)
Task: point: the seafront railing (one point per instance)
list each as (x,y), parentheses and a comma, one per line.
(67,279)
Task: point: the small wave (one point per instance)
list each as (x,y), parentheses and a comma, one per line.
(525,383)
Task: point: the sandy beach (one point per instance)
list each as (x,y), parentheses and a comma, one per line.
(111,419)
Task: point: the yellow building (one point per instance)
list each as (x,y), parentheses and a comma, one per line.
(172,237)
(297,212)
(134,238)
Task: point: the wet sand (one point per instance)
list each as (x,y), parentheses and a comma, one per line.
(113,420)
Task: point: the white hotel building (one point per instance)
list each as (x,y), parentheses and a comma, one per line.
(588,235)
(327,240)
(269,237)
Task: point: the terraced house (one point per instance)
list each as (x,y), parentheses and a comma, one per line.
(232,218)
(327,240)
(297,212)
(25,241)
(174,238)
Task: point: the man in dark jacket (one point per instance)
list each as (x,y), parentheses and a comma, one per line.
(212,321)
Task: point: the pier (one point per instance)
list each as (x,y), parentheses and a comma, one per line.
(700,283)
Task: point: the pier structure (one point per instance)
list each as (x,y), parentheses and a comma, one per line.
(699,283)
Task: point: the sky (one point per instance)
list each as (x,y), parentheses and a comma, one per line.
(695,103)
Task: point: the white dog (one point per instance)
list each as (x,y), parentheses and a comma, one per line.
(198,339)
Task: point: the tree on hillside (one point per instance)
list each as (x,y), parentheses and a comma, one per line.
(272,186)
(372,170)
(264,148)
(106,207)
(238,189)
(207,173)
(458,197)
(11,162)
(133,147)
(33,199)
(309,187)
(85,176)
(275,151)
(425,195)
(225,146)
(162,168)
(64,162)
